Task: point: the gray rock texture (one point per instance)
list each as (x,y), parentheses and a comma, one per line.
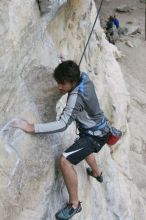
(49,5)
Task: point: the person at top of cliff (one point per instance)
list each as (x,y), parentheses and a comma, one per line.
(110,23)
(112,26)
(116,22)
(94,129)
(110,30)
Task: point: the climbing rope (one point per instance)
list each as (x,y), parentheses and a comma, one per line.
(91,31)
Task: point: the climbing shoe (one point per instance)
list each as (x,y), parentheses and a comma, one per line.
(68,212)
(90,173)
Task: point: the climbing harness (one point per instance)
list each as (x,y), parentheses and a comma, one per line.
(91,31)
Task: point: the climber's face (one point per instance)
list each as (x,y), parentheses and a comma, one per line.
(65,87)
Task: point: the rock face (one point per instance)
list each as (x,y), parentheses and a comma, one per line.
(31,185)
(123,9)
(48,5)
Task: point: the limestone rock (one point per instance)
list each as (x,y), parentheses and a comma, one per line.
(129,22)
(129,30)
(129,43)
(122,31)
(132,30)
(123,9)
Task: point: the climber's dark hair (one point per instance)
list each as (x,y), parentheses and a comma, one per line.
(111,18)
(67,71)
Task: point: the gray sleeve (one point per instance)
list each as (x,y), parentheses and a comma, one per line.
(73,106)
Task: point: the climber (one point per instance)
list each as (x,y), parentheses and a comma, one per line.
(94,130)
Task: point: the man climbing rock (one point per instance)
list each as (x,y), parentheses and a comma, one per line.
(94,130)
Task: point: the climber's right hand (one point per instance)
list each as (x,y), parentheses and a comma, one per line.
(23,125)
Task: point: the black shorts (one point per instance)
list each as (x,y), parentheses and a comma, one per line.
(83,147)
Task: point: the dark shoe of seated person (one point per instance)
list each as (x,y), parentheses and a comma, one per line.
(68,212)
(90,173)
